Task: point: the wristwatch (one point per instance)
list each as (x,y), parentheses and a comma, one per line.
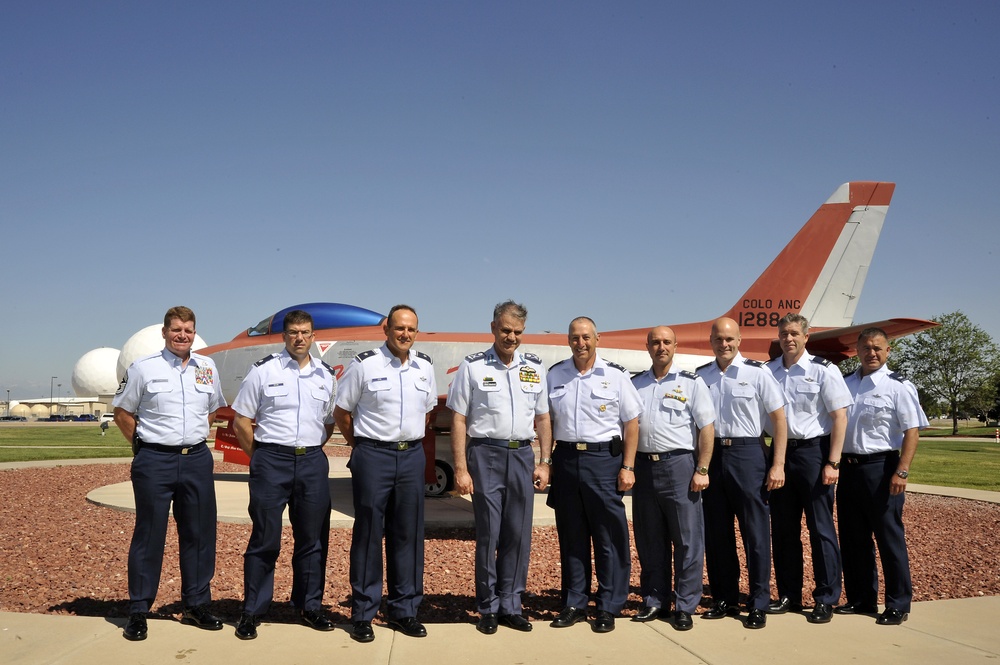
(835,465)
(546,460)
(703,470)
(903,473)
(628,468)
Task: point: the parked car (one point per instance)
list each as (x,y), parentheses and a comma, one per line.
(85,418)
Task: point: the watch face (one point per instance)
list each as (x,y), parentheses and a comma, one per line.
(903,474)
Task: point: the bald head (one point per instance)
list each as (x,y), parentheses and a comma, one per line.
(725,341)
(583,340)
(661,343)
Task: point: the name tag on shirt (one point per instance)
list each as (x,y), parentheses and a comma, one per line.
(379,383)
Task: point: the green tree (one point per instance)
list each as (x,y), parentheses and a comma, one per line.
(955,362)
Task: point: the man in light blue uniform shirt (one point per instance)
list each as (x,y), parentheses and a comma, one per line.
(499,397)
(883,428)
(742,473)
(383,407)
(816,417)
(165,406)
(290,394)
(595,421)
(676,436)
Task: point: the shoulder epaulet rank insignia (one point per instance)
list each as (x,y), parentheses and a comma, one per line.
(554,365)
(531,357)
(265,359)
(821,361)
(365,354)
(752,363)
(701,367)
(328,368)
(424,356)
(897,376)
(687,374)
(617,367)
(475,356)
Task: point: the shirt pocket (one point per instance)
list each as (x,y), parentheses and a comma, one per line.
(320,401)
(605,403)
(673,409)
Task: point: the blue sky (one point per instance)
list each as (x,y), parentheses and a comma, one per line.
(638,162)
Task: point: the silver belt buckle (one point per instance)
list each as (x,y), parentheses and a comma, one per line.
(654,457)
(581,446)
(402,445)
(727,442)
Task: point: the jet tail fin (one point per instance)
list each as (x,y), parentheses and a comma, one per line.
(821,272)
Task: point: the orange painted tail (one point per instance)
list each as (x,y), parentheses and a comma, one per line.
(821,272)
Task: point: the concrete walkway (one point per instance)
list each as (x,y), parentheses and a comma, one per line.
(947,631)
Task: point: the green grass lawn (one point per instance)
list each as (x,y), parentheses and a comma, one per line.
(973,465)
(28,442)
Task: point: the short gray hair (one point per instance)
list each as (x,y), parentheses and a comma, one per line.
(510,308)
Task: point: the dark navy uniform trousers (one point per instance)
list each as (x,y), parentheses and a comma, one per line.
(159,478)
(665,514)
(588,507)
(804,491)
(737,489)
(388,488)
(279,477)
(865,507)
(502,503)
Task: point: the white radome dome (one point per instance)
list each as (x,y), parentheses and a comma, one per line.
(94,373)
(146,341)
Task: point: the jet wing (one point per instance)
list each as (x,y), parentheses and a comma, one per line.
(837,344)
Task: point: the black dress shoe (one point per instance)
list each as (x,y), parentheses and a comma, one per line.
(647,613)
(721,609)
(316,620)
(515,621)
(604,622)
(408,626)
(756,619)
(821,613)
(682,620)
(892,617)
(568,617)
(362,631)
(201,617)
(246,628)
(782,605)
(855,608)
(487,624)
(135,629)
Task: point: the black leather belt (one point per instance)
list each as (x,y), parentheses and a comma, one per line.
(802,443)
(656,457)
(179,450)
(848,458)
(727,441)
(291,450)
(390,445)
(502,443)
(584,445)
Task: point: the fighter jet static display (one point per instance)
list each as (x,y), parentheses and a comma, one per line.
(819,274)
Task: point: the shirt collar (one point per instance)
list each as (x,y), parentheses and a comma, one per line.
(387,357)
(493,358)
(289,362)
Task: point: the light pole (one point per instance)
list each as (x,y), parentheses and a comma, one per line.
(50,394)
(8,404)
